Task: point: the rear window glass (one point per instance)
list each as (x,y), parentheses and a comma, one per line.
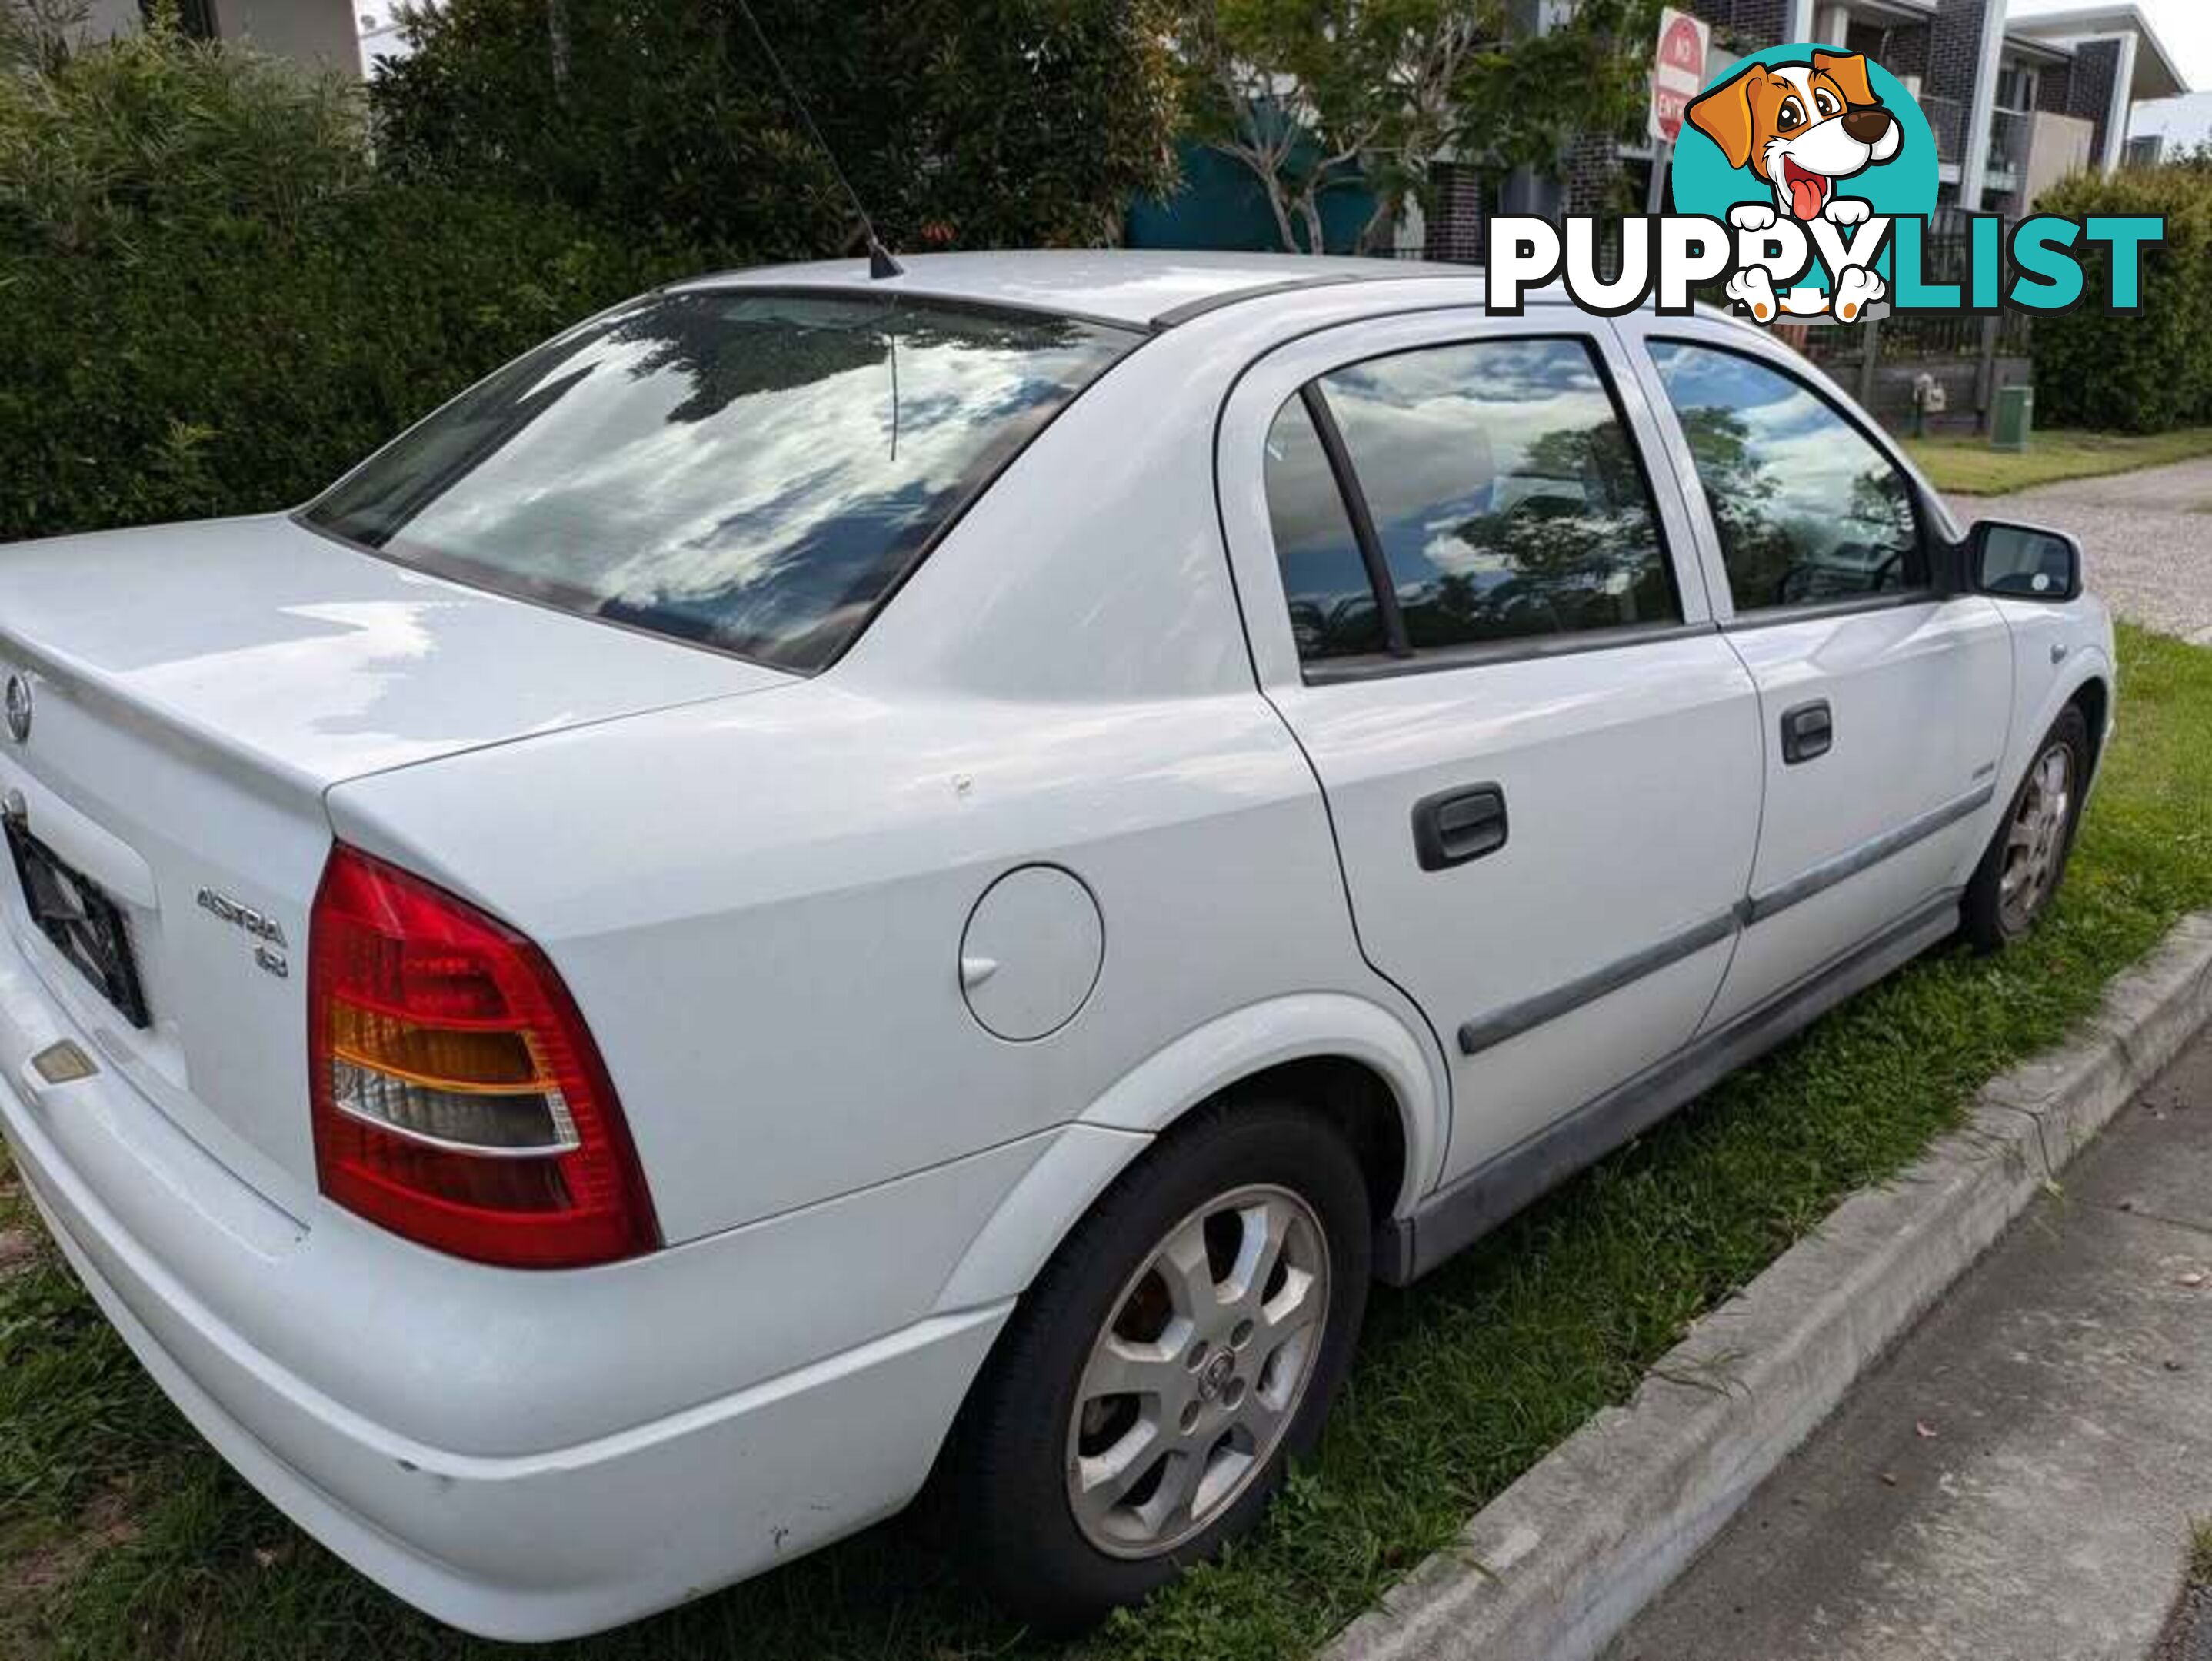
(748,472)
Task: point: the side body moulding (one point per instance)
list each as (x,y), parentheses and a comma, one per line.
(1455,1217)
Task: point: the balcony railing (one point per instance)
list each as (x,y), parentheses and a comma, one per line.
(2010,133)
(1947,119)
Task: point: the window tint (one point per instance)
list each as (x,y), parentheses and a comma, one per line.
(1333,609)
(1807,508)
(1504,490)
(749,470)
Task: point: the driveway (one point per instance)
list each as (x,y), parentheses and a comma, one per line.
(2147,535)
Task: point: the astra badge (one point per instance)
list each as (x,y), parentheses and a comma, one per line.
(266,930)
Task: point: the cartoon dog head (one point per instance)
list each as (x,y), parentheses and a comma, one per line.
(1799,127)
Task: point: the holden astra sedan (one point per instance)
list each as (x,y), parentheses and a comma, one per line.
(826,884)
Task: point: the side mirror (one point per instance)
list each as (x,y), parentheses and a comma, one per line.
(2022,562)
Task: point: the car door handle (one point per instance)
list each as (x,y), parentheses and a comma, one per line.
(1808,730)
(1455,826)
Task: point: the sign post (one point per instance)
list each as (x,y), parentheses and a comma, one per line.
(1678,75)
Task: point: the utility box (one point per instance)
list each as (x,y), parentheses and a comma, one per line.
(2012,417)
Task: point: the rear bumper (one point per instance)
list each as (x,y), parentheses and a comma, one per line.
(526,1541)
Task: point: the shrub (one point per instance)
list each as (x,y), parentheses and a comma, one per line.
(2153,371)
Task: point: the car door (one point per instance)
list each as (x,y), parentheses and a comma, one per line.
(1485,629)
(1883,703)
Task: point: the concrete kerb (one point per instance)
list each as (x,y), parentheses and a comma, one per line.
(1560,1561)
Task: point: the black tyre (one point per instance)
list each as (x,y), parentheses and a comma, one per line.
(1181,1347)
(2027,858)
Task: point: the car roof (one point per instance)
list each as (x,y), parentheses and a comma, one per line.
(1147,288)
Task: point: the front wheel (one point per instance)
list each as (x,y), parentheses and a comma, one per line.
(2020,871)
(1181,1347)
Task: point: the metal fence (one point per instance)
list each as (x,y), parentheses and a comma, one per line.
(1945,255)
(1925,335)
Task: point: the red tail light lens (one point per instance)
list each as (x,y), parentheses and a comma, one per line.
(458,1098)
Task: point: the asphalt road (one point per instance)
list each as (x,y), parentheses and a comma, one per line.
(2018,1479)
(2148,537)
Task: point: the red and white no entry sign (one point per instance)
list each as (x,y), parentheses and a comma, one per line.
(1678,71)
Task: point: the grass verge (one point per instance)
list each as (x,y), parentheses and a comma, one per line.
(1463,1381)
(2188,1631)
(1967,466)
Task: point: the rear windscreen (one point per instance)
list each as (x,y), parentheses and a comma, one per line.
(751,471)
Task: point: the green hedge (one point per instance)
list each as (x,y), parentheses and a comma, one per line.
(2150,372)
(212,302)
(233,365)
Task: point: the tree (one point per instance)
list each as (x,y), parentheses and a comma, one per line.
(1525,98)
(960,123)
(1314,96)
(1320,96)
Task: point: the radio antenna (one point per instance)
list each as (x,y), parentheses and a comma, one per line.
(881,264)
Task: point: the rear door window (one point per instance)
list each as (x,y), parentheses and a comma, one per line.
(1504,492)
(751,471)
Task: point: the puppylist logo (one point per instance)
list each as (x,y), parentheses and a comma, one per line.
(1822,138)
(1803,182)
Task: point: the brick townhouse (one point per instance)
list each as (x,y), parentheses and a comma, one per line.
(2015,103)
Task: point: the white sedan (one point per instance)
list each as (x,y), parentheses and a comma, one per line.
(828,880)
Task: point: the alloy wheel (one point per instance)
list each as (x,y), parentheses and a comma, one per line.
(2035,843)
(1198,1371)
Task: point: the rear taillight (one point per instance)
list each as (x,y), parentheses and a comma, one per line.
(458,1098)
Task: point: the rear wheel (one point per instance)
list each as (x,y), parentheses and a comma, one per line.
(2020,871)
(1180,1349)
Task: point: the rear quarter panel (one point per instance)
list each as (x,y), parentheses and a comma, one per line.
(759,902)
